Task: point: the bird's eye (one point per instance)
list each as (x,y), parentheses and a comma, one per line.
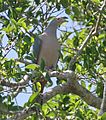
(58,18)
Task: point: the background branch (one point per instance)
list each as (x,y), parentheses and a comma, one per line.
(74,59)
(103,104)
(92,32)
(23,82)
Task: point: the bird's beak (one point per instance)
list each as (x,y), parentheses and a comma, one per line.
(62,20)
(65,19)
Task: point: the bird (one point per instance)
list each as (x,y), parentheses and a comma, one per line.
(46,46)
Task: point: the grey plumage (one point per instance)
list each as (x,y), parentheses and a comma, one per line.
(46,46)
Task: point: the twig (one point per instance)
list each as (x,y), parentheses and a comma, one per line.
(23,82)
(73,60)
(23,61)
(22,114)
(18,90)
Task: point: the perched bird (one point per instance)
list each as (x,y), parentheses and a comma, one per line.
(46,46)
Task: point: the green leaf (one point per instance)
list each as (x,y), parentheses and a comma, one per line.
(21,20)
(76,11)
(66,99)
(89,87)
(32,66)
(9,28)
(37,2)
(99,89)
(68,11)
(23,24)
(45,108)
(96,1)
(51,114)
(104,43)
(67,59)
(42,65)
(78,67)
(38,86)
(14,21)
(3,107)
(1,88)
(27,39)
(48,79)
(83,84)
(19,9)
(76,41)
(33,97)
(65,3)
(1,1)
(103,116)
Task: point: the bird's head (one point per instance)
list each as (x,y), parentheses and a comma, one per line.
(58,21)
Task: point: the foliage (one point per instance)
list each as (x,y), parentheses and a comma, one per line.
(20,22)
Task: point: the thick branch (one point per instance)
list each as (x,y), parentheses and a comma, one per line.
(65,74)
(72,86)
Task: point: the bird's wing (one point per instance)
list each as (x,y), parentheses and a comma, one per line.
(36,48)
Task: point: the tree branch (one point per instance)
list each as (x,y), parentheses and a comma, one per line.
(21,115)
(103,106)
(23,61)
(64,75)
(23,82)
(72,86)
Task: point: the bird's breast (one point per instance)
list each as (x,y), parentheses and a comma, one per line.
(49,51)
